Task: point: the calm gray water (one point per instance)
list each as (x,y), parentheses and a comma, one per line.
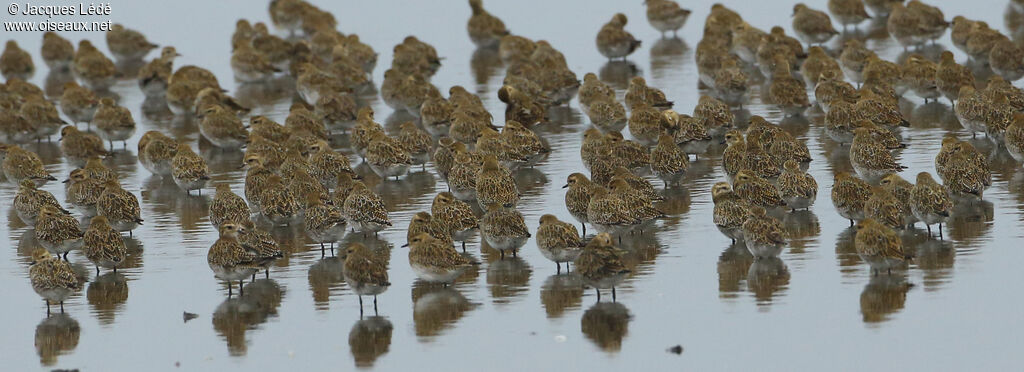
(817,307)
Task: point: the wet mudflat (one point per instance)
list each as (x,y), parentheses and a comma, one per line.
(815,306)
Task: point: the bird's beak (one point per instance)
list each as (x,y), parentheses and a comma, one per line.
(66,181)
(565,186)
(406,245)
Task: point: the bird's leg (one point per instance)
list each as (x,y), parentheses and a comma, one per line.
(929,230)
(613,294)
(253,279)
(501,254)
(598,294)
(267,274)
(558,268)
(584,228)
(62,307)
(463,246)
(514,252)
(229,289)
(241,291)
(940,231)
(47,308)
(66,256)
(375,305)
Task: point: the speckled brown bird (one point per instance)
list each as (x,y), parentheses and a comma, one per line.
(668,161)
(56,51)
(495,185)
(763,234)
(127,44)
(57,231)
(613,41)
(84,191)
(849,194)
(730,211)
(600,264)
(812,26)
(950,76)
(930,202)
(485,30)
(558,241)
(797,188)
(666,15)
(504,229)
(16,62)
(78,103)
(901,189)
(53,279)
(884,208)
(103,245)
(79,146)
(520,107)
(120,206)
(20,164)
(870,159)
(848,12)
(879,246)
(365,273)
(424,222)
(436,262)
(155,152)
(786,91)
(29,200)
(227,206)
(756,190)
(229,260)
(638,92)
(93,69)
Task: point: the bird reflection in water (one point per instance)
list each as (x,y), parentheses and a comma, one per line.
(561,292)
(767,278)
(484,63)
(883,296)
(369,339)
(107,294)
(801,229)
(437,308)
(507,278)
(606,325)
(55,336)
(846,252)
(733,264)
(669,58)
(326,278)
(618,73)
(934,257)
(970,220)
(236,315)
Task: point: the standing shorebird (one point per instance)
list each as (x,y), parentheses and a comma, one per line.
(558,241)
(229,260)
(120,207)
(879,246)
(600,264)
(52,278)
(504,229)
(365,273)
(30,200)
(613,41)
(434,261)
(930,202)
(104,245)
(58,232)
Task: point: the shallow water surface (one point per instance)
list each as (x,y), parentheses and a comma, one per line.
(815,307)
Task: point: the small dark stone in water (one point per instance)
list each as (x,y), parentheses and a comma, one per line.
(65,370)
(678,349)
(189,316)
